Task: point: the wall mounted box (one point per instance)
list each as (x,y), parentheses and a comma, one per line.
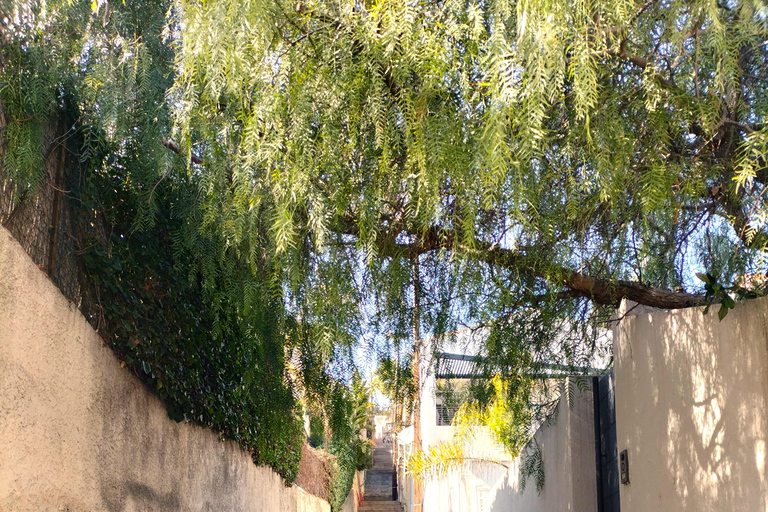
(624,466)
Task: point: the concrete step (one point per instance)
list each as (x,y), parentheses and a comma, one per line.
(381,506)
(378,481)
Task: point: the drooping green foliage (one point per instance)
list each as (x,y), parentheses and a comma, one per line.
(111,67)
(394,379)
(546,155)
(348,413)
(363,452)
(361,420)
(343,473)
(316,432)
(360,396)
(534,153)
(338,413)
(341,445)
(533,466)
(571,128)
(194,316)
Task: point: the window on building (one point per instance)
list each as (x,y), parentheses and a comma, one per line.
(450,394)
(445,414)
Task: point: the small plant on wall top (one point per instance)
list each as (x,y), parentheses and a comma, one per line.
(745,287)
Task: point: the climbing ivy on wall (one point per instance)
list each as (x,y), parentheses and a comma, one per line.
(172,319)
(198,314)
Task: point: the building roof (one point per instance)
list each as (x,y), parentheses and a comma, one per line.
(456,366)
(462,366)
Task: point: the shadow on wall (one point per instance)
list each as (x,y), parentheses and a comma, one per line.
(504,495)
(566,447)
(485,478)
(137,496)
(691,402)
(510,495)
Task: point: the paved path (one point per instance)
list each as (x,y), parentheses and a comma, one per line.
(378,482)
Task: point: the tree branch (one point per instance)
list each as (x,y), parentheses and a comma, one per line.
(175,148)
(600,290)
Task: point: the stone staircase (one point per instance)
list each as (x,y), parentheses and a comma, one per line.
(378,482)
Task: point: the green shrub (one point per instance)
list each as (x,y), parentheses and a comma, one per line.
(316,432)
(343,473)
(363,452)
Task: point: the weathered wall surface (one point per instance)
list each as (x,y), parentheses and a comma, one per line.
(567,447)
(352,502)
(78,433)
(692,408)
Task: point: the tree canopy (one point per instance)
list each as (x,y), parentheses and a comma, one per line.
(537,160)
(556,147)
(533,153)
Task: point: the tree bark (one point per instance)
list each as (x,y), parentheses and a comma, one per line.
(602,291)
(417,491)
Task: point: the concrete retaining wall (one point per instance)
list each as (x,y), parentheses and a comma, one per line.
(79,433)
(692,408)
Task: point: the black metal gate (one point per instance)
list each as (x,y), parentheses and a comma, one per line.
(606,450)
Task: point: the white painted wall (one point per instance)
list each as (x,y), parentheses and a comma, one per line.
(380,423)
(692,408)
(79,433)
(568,452)
(431,433)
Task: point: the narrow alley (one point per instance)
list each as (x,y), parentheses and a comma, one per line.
(379,482)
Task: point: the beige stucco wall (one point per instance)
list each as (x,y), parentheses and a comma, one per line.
(692,408)
(78,433)
(567,446)
(352,502)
